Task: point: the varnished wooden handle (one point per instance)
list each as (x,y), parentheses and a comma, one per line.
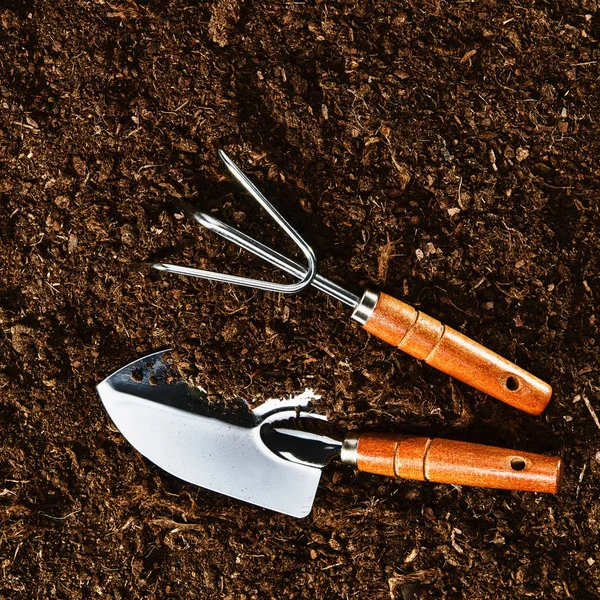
(447,461)
(453,353)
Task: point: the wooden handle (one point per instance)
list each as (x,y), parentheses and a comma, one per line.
(447,461)
(453,353)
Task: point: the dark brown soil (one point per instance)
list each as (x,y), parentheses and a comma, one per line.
(445,151)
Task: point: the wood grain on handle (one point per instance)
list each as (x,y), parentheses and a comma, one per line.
(459,463)
(453,353)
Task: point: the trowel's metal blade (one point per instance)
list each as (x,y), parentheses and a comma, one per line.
(171,424)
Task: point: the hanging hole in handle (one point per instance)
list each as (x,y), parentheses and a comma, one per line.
(512,383)
(517,464)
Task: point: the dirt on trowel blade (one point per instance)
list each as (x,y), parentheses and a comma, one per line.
(159,379)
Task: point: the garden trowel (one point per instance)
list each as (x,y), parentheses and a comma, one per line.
(272,456)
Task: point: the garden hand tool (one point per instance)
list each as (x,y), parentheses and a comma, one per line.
(386,317)
(272,456)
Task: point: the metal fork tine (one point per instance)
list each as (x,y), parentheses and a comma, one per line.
(261,250)
(248,243)
(306,276)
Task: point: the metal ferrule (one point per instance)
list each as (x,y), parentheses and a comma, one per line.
(349,451)
(364,309)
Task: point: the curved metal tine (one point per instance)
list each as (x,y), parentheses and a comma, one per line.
(268,254)
(311,270)
(306,276)
(240,239)
(259,284)
(249,243)
(257,195)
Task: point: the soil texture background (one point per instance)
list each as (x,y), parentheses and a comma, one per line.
(444,152)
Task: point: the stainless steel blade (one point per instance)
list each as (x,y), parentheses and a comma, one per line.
(172,424)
